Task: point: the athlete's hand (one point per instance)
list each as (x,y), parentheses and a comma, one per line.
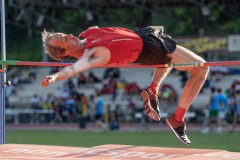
(47,80)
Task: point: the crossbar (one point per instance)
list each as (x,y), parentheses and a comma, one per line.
(131,65)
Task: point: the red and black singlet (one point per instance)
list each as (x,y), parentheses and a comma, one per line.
(124,45)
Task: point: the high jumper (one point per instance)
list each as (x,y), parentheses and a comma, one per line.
(98,47)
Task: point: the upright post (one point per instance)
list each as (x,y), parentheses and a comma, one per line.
(2,76)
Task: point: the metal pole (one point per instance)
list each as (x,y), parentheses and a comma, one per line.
(2,76)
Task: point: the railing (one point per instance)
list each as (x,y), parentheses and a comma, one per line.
(31,112)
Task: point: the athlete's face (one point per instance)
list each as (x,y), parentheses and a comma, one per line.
(66,41)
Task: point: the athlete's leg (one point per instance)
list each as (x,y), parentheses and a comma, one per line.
(150,94)
(197,77)
(159,75)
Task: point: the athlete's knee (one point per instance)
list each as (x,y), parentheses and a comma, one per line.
(205,71)
(201,72)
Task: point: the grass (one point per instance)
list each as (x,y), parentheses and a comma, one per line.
(225,141)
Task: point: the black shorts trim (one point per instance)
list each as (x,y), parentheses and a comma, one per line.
(156,46)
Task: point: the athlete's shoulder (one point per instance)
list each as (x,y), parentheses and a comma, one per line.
(93,27)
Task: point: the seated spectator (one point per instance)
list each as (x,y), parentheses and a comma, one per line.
(237,88)
(32,74)
(121,89)
(92,78)
(109,86)
(112,72)
(57,106)
(54,69)
(48,105)
(35,105)
(64,94)
(168,93)
(132,89)
(36,102)
(10,90)
(218,72)
(82,80)
(15,80)
(75,94)
(70,84)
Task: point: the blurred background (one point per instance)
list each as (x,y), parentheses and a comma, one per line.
(209,28)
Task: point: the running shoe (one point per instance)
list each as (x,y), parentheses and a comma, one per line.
(179,129)
(151,104)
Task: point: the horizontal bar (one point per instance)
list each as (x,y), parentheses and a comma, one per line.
(222,63)
(131,65)
(49,64)
(43,64)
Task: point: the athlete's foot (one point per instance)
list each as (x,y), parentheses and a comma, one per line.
(151,104)
(179,129)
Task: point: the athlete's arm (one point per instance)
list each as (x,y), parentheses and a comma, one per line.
(95,57)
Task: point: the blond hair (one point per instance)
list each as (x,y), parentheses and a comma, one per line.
(57,53)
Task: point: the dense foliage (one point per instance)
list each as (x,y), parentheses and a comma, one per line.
(25,44)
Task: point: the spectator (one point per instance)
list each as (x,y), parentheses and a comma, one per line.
(213,110)
(54,69)
(110,87)
(168,93)
(234,85)
(132,108)
(223,99)
(91,108)
(64,94)
(83,111)
(112,72)
(15,80)
(132,89)
(237,88)
(184,78)
(121,84)
(70,84)
(36,102)
(82,80)
(32,74)
(236,109)
(75,94)
(92,78)
(71,108)
(206,84)
(64,110)
(48,105)
(35,105)
(57,106)
(99,107)
(218,72)
(113,116)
